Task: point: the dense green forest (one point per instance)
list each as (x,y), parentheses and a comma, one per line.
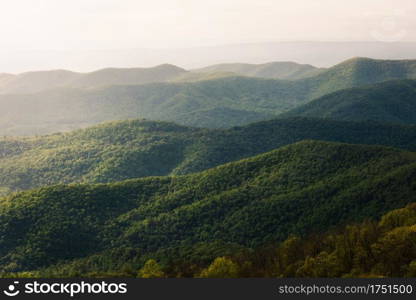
(205,103)
(138,148)
(391,102)
(299,189)
(355,250)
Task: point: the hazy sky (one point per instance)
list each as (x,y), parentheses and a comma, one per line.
(120,24)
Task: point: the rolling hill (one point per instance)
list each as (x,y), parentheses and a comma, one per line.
(298,189)
(272,70)
(131,149)
(219,103)
(65,109)
(391,102)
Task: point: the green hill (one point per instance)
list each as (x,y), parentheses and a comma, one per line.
(391,102)
(272,70)
(131,149)
(221,102)
(304,187)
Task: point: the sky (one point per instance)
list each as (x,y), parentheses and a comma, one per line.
(121,24)
(74,34)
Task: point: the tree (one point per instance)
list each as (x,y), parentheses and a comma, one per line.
(151,269)
(222,267)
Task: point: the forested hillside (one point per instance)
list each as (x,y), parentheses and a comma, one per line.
(297,190)
(355,250)
(217,103)
(131,149)
(391,102)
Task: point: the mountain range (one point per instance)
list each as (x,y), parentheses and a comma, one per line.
(322,54)
(35,82)
(216,103)
(38,81)
(233,170)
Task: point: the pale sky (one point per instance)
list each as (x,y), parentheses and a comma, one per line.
(123,24)
(85,35)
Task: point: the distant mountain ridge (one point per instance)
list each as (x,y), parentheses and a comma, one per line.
(222,102)
(38,81)
(322,54)
(356,71)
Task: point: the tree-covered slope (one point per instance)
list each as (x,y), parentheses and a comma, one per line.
(246,99)
(355,250)
(308,186)
(391,102)
(378,248)
(132,149)
(272,70)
